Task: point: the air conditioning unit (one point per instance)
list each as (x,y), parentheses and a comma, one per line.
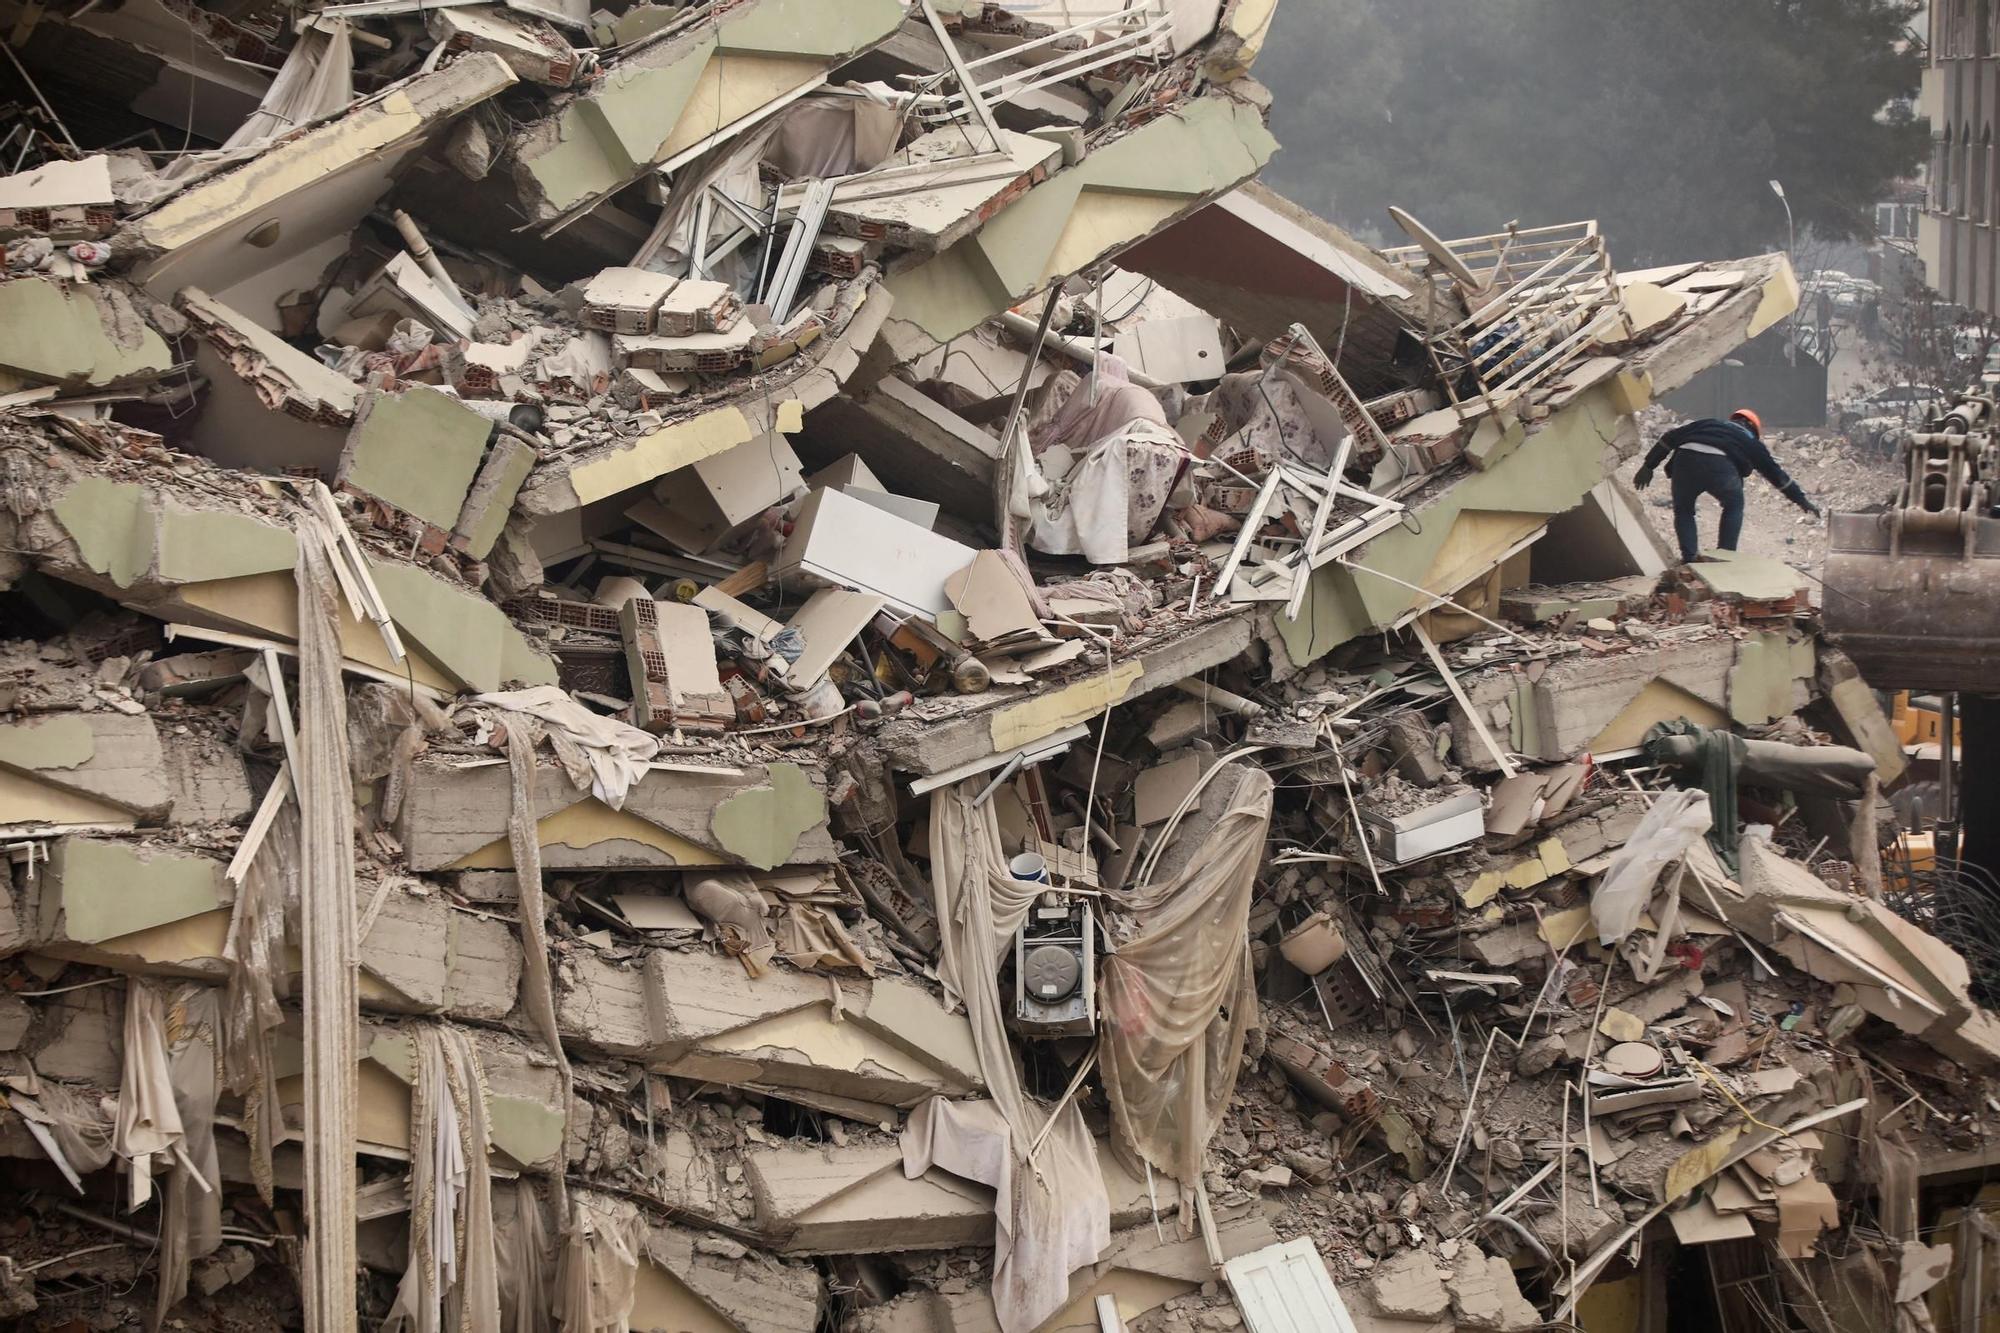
(1055,967)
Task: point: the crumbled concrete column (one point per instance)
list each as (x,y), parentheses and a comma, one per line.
(1409,1286)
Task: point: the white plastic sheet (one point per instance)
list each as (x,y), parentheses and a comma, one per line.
(611,754)
(1675,822)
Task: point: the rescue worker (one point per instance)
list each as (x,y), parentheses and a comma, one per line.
(1710,457)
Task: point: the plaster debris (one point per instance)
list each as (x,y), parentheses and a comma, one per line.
(573,769)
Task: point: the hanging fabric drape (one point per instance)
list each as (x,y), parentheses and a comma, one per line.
(1177,1000)
(1053,1215)
(327,913)
(452,1280)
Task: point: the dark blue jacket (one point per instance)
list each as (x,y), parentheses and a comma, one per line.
(1742,447)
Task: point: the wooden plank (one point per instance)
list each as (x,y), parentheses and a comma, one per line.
(1500,758)
(1248,532)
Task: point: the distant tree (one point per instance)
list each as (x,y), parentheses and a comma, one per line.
(1663,119)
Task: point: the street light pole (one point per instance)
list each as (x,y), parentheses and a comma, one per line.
(1791,242)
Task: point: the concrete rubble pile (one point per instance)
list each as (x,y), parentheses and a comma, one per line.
(773,666)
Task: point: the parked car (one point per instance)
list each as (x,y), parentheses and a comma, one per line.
(1909,404)
(1973,340)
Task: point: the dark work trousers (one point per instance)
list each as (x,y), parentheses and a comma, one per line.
(1695,475)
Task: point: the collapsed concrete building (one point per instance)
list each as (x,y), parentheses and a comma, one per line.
(768,666)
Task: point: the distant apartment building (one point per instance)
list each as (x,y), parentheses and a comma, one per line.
(1956,235)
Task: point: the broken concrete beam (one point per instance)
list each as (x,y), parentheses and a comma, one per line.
(1182,721)
(1772,677)
(532,49)
(821,1199)
(59,183)
(933,453)
(1575,602)
(699,1015)
(625,300)
(232,570)
(1472,522)
(269,406)
(1409,1285)
(208,778)
(685,353)
(490,502)
(127,539)
(1769,292)
(1259,262)
(855,1199)
(698,305)
(697,507)
(951,197)
(1484,1294)
(303,190)
(1142,1269)
(145,910)
(663,98)
(562,484)
(137,907)
(648,390)
(691,1280)
(1558,853)
(670,660)
(1597,704)
(525,1111)
(1015,720)
(1861,713)
(92,768)
(455,818)
(714,1023)
(1415,749)
(194,674)
(79,1037)
(418,450)
(423,957)
(76,335)
(465,634)
(1493,439)
(1117,194)
(1897,972)
(402,289)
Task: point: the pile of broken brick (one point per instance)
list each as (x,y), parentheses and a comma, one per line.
(641,690)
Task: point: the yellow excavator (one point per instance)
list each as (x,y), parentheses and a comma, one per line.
(1913,596)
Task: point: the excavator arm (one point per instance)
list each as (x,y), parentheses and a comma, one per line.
(1913,591)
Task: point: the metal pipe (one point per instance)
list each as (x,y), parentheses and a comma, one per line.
(1003,518)
(1068,346)
(427,260)
(1947,822)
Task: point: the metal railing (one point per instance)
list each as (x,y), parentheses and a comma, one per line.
(1538,300)
(1092,36)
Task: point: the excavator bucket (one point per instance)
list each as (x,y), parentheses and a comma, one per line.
(1915,609)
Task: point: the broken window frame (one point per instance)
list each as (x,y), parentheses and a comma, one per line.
(1151,36)
(1554,285)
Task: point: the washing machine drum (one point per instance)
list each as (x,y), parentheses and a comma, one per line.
(1051,972)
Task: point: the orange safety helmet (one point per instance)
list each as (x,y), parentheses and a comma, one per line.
(1750,419)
